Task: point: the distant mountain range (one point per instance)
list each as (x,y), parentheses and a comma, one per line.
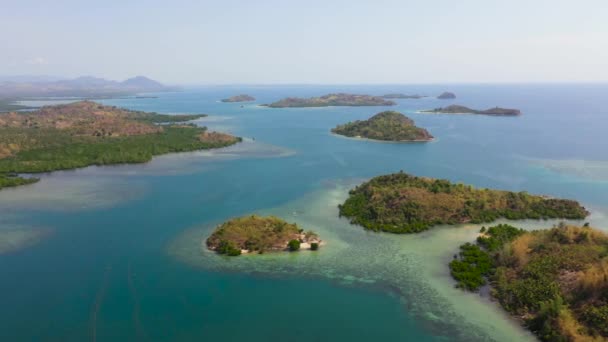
(85,86)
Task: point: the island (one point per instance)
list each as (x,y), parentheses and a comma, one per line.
(386,126)
(457,109)
(87,133)
(553,280)
(260,234)
(403,96)
(446,95)
(339,99)
(239,98)
(401,203)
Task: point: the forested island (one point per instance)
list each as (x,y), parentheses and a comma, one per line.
(457,109)
(239,98)
(386,126)
(446,95)
(401,203)
(339,99)
(260,234)
(555,281)
(403,96)
(87,133)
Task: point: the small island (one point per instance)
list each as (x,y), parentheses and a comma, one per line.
(403,96)
(457,109)
(86,133)
(339,99)
(258,234)
(446,95)
(554,281)
(385,126)
(401,203)
(239,98)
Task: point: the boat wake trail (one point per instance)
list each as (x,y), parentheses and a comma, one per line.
(98,301)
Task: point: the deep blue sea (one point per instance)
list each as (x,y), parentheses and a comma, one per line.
(116,254)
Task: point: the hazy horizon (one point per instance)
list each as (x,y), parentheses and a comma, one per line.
(309,42)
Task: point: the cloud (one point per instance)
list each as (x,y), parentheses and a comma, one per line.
(37,61)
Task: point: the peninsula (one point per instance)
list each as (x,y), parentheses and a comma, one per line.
(446,96)
(554,280)
(386,126)
(457,109)
(401,203)
(339,99)
(239,98)
(249,234)
(86,133)
(403,96)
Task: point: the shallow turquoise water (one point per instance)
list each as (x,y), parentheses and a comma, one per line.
(123,261)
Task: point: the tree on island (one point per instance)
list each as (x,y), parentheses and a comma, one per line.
(226,247)
(293,245)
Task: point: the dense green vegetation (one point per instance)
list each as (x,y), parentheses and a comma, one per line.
(555,280)
(293,245)
(493,238)
(400,203)
(339,99)
(457,109)
(387,126)
(474,264)
(165,118)
(227,248)
(7,181)
(58,150)
(471,267)
(86,133)
(258,234)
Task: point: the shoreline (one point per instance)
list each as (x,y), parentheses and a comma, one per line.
(441,113)
(417,141)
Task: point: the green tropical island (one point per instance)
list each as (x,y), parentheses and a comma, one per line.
(86,133)
(385,126)
(401,203)
(260,234)
(239,98)
(457,109)
(338,99)
(446,95)
(555,281)
(403,96)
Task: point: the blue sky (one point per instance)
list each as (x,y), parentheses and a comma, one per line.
(271,41)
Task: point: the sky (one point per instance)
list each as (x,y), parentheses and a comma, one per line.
(313,41)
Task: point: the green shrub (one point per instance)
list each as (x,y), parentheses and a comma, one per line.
(293,245)
(314,246)
(472,268)
(226,247)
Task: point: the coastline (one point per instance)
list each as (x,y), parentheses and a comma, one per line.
(440,113)
(418,141)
